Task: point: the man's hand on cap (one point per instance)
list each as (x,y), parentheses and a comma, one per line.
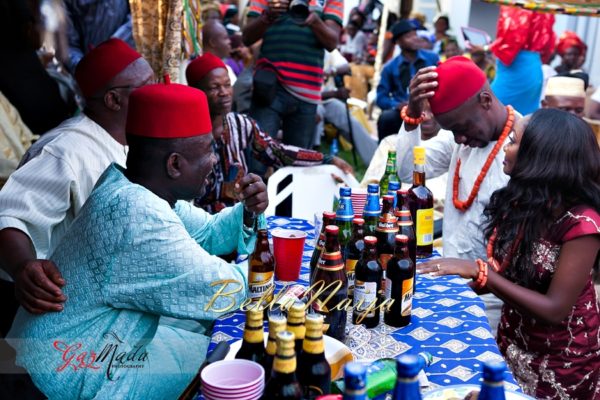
(252,191)
(421,88)
(38,287)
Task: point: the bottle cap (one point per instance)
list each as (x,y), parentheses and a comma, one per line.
(332,229)
(393,186)
(493,371)
(358,221)
(370,239)
(285,336)
(392,151)
(313,319)
(373,188)
(388,197)
(408,365)
(401,239)
(355,376)
(345,191)
(329,214)
(419,153)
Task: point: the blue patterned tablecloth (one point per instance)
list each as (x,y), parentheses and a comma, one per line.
(448,321)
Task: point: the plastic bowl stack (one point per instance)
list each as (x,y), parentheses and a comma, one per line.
(233,380)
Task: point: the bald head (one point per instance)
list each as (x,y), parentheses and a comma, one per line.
(215,39)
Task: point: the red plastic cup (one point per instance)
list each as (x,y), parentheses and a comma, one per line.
(288,246)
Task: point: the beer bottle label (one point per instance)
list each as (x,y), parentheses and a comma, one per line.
(387,225)
(407,294)
(365,295)
(424,229)
(260,282)
(350,267)
(331,261)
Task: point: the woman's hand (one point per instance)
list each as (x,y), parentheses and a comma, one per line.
(450,266)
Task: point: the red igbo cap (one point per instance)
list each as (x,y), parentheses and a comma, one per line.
(570,39)
(168,111)
(201,66)
(459,79)
(97,68)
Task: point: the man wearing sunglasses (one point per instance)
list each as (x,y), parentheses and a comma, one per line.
(42,198)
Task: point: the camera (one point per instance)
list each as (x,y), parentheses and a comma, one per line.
(299,9)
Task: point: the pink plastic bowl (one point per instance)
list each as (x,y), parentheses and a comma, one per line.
(232,375)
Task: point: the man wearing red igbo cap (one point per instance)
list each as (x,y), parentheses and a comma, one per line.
(41,199)
(237,136)
(462,103)
(140,250)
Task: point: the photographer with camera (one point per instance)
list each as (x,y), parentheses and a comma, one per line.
(289,70)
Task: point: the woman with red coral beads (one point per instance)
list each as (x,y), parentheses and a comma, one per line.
(543,236)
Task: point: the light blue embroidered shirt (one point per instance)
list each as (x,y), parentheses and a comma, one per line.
(127,260)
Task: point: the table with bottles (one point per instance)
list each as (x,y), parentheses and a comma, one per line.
(448,321)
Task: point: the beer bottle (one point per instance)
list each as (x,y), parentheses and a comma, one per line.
(283,383)
(405,224)
(399,283)
(492,387)
(327,297)
(355,381)
(295,323)
(354,249)
(387,229)
(314,372)
(253,344)
(407,385)
(420,201)
(367,289)
(390,174)
(261,270)
(277,323)
(372,209)
(393,188)
(328,219)
(344,216)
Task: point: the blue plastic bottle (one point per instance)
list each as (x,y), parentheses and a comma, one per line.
(372,209)
(393,188)
(335,147)
(407,384)
(492,387)
(344,216)
(355,381)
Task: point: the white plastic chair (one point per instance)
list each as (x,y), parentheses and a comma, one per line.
(312,189)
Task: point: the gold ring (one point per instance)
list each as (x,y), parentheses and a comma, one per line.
(437,267)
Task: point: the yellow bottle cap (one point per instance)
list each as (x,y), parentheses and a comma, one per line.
(419,153)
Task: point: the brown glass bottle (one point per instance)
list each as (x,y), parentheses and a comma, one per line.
(261,267)
(283,383)
(328,219)
(330,270)
(406,225)
(420,201)
(399,285)
(277,323)
(367,291)
(354,249)
(387,229)
(253,344)
(295,323)
(314,372)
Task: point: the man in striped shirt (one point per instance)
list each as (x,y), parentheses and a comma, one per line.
(293,47)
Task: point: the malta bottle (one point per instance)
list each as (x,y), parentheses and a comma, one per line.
(367,289)
(492,387)
(253,345)
(390,174)
(344,216)
(372,209)
(399,285)
(407,384)
(355,381)
(354,250)
(387,229)
(261,283)
(277,323)
(420,201)
(393,188)
(328,219)
(295,323)
(283,383)
(405,224)
(314,372)
(329,297)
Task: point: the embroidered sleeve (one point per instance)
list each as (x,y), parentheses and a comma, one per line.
(581,221)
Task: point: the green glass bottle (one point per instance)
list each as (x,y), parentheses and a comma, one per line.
(390,174)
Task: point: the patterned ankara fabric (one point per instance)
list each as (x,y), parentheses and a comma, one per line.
(448,321)
(559,361)
(128,259)
(241,141)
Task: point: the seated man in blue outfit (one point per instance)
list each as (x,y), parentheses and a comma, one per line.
(136,253)
(392,90)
